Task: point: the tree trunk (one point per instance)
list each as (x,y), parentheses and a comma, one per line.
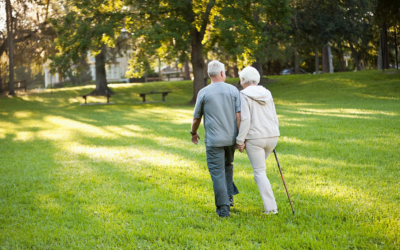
(101,77)
(228,70)
(325,59)
(277,67)
(396,49)
(316,61)
(379,63)
(235,71)
(196,38)
(198,65)
(187,70)
(1,82)
(385,49)
(258,65)
(296,61)
(355,56)
(269,63)
(205,72)
(339,53)
(10,37)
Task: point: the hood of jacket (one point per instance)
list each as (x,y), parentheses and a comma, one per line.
(258,93)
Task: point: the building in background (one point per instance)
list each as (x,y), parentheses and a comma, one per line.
(115,71)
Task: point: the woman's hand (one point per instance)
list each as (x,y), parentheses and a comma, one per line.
(241,147)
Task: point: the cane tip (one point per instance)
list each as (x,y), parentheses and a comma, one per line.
(293,212)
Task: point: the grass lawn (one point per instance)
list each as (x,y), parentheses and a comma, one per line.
(126,176)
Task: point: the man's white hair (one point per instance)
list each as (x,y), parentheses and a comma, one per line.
(249,75)
(215,67)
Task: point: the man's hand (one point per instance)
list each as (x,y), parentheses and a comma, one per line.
(241,147)
(194,127)
(195,138)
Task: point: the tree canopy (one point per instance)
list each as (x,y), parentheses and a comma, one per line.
(189,29)
(269,34)
(87,27)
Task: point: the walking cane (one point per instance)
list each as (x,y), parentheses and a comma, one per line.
(276,157)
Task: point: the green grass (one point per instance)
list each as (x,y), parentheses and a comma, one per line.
(126,176)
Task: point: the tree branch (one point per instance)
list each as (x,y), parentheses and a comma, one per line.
(206,18)
(3,47)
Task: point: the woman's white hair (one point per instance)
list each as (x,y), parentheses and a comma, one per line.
(249,75)
(215,67)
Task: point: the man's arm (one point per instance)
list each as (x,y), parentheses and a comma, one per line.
(238,120)
(195,125)
(238,109)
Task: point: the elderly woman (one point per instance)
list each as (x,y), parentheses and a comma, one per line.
(259,131)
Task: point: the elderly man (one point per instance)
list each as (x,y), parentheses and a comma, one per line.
(220,104)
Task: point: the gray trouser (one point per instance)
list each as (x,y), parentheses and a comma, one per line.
(219,162)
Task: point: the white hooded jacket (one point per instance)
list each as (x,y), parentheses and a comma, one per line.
(258,114)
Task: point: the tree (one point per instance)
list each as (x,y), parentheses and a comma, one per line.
(28,35)
(89,26)
(246,29)
(348,25)
(10,35)
(357,31)
(387,13)
(186,27)
(171,29)
(312,27)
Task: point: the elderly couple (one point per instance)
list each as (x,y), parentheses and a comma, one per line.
(245,120)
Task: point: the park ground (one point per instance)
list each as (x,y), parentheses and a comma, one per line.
(126,176)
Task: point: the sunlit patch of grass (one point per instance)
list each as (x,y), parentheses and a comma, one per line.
(377,97)
(24,136)
(350,83)
(126,176)
(22,114)
(293,140)
(350,111)
(77,126)
(290,103)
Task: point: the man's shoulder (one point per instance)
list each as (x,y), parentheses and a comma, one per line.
(205,89)
(221,86)
(202,92)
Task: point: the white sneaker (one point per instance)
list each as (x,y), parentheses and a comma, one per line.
(272,211)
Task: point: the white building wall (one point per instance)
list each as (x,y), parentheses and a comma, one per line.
(114,71)
(49,79)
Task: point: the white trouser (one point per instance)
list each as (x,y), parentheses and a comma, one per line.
(258,151)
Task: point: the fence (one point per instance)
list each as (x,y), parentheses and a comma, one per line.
(17,86)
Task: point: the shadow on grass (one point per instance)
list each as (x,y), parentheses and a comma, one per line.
(135,163)
(155,124)
(96,197)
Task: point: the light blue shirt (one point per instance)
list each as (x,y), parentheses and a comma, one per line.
(218,103)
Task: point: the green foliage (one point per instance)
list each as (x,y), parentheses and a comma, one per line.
(247,29)
(126,176)
(161,29)
(348,25)
(86,27)
(238,28)
(387,11)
